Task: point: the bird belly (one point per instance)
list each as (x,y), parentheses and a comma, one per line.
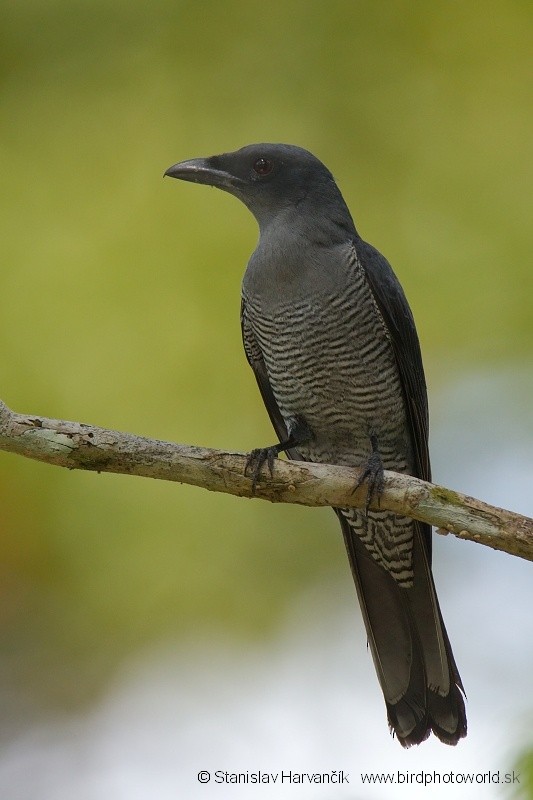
(337,371)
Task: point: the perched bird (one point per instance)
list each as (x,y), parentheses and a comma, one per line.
(333,345)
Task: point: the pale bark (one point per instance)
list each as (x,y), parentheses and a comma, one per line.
(78,446)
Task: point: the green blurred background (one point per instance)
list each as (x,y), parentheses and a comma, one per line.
(119,300)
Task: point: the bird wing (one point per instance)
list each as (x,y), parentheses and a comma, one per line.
(255,358)
(398,318)
(400,325)
(414,623)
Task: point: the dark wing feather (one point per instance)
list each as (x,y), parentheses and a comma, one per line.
(445,711)
(398,318)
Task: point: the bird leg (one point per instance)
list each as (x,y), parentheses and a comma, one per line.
(299,432)
(372,474)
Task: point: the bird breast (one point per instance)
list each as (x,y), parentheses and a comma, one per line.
(329,359)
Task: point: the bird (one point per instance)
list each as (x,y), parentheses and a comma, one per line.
(331,339)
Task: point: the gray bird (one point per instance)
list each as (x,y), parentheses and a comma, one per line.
(333,346)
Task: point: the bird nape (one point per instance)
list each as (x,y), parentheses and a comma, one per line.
(332,342)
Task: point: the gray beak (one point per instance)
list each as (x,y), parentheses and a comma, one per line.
(201,170)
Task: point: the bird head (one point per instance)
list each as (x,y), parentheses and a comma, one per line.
(267,178)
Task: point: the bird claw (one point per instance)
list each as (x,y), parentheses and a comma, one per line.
(372,475)
(256,460)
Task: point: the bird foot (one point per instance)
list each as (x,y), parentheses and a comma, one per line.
(372,474)
(256,460)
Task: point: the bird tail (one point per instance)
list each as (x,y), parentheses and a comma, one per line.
(409,644)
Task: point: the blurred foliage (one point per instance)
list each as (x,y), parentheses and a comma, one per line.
(524,769)
(120,291)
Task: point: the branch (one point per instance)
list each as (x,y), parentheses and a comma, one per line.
(78,446)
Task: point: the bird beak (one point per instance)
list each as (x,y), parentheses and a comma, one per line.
(202,170)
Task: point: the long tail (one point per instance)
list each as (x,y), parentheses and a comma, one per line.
(409,644)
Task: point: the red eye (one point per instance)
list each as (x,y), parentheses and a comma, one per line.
(263,166)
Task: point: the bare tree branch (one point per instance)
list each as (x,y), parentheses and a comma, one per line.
(78,446)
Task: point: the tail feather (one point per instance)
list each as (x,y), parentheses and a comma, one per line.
(409,645)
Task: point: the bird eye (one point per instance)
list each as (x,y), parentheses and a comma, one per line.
(263,166)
